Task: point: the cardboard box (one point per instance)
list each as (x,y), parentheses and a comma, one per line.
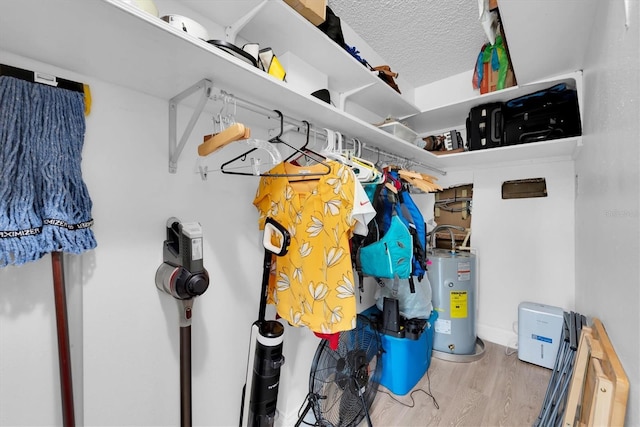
(314,10)
(456,210)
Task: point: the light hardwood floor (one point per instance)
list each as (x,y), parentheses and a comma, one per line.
(497,390)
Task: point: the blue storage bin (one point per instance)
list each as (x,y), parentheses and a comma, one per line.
(405,360)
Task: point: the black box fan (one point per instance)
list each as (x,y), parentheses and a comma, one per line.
(343,382)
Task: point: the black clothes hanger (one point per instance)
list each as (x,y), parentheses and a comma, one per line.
(308,153)
(304,150)
(243,157)
(260,144)
(297,152)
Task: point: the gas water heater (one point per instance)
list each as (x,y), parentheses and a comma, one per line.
(453,284)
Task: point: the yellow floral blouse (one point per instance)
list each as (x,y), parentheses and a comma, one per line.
(313,283)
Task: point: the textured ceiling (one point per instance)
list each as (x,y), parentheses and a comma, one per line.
(423,40)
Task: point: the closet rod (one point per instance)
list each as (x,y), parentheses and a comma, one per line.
(378,151)
(300,126)
(256,108)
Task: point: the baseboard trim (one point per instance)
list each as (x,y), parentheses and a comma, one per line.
(498,336)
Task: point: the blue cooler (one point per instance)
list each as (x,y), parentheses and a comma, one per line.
(405,360)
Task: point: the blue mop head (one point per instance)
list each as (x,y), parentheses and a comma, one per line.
(44,203)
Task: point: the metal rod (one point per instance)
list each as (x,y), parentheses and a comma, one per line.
(561,404)
(553,399)
(300,126)
(185,376)
(64,353)
(259,109)
(555,372)
(304,413)
(400,158)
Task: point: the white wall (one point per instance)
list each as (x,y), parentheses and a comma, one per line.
(608,201)
(125,334)
(453,89)
(525,247)
(129,331)
(127,343)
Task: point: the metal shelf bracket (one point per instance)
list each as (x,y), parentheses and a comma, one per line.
(343,96)
(175,146)
(231,32)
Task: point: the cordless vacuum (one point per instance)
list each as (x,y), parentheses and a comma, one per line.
(260,392)
(183,276)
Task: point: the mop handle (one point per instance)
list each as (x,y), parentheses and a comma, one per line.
(64,353)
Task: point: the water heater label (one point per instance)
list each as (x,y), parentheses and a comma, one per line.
(458,301)
(442,326)
(464,271)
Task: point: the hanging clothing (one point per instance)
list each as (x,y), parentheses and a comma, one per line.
(44,203)
(313,284)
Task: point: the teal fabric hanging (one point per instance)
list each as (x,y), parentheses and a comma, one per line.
(389,257)
(44,202)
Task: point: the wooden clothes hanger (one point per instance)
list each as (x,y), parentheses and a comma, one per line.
(211,143)
(236,132)
(422,181)
(228,130)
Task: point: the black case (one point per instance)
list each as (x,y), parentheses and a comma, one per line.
(547,114)
(485,126)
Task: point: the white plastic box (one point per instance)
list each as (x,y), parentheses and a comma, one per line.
(539,333)
(399,130)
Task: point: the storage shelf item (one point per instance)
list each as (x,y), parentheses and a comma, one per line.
(120,44)
(399,130)
(557,149)
(453,116)
(280,27)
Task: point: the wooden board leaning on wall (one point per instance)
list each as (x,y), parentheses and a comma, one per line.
(599,387)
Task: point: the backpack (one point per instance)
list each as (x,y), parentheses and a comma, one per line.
(409,213)
(389,257)
(388,205)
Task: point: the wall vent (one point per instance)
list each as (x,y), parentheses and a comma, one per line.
(524,188)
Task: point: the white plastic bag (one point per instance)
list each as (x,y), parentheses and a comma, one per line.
(412,305)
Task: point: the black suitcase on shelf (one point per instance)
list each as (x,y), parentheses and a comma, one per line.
(485,126)
(547,114)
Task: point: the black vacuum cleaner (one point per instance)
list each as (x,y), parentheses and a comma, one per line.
(258,408)
(183,276)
